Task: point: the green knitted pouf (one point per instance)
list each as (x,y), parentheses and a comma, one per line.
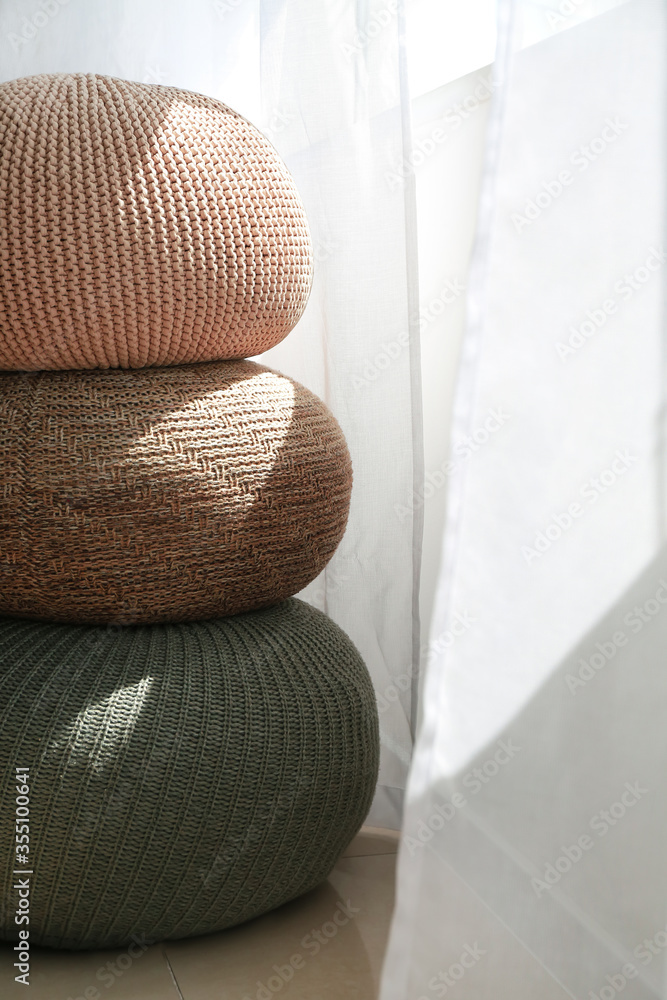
(165,494)
(182,778)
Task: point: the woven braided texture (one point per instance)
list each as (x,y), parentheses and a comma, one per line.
(183,778)
(141,225)
(165,494)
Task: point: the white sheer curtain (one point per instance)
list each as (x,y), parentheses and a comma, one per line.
(533,862)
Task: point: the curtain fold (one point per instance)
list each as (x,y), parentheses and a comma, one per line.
(533,862)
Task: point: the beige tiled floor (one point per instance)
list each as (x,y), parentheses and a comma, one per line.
(326,945)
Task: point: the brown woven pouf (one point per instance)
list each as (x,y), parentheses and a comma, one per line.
(166,494)
(141,225)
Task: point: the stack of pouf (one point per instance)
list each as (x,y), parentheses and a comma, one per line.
(201,746)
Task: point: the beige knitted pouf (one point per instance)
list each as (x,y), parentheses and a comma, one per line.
(141,225)
(165,494)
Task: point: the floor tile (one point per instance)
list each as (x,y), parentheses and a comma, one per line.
(327,945)
(373,840)
(89,975)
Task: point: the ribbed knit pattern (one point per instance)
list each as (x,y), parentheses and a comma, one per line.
(166,494)
(183,778)
(141,225)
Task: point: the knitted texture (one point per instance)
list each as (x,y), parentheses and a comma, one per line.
(141,225)
(166,494)
(183,778)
